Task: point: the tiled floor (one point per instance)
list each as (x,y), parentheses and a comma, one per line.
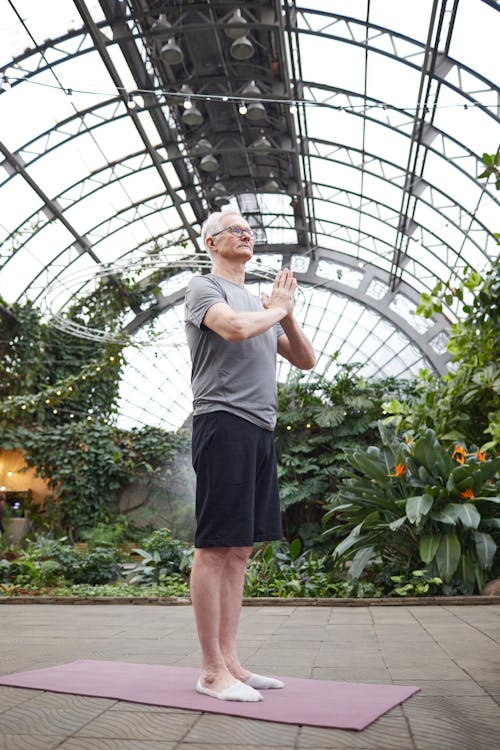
(451,652)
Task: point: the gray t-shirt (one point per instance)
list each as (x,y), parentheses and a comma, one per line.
(238,377)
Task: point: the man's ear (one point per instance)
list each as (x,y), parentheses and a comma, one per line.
(210,243)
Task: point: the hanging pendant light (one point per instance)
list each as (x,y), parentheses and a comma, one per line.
(235,26)
(271,185)
(161,28)
(218,194)
(255,110)
(171,53)
(242,48)
(201,147)
(261,145)
(191,115)
(209,163)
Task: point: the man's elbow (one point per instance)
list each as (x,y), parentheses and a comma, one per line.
(308,362)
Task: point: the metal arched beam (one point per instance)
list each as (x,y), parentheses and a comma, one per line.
(437,325)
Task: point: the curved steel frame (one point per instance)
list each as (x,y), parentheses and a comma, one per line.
(430,59)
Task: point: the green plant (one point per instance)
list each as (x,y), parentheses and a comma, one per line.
(110,534)
(465,403)
(318,422)
(162,556)
(416,502)
(283,570)
(416,583)
(86,463)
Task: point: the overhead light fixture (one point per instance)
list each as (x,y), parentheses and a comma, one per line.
(271,186)
(161,28)
(131,103)
(191,115)
(242,48)
(262,145)
(209,163)
(218,194)
(242,109)
(235,26)
(201,147)
(255,110)
(171,53)
(293,109)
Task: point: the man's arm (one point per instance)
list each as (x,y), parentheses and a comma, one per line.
(294,345)
(239,326)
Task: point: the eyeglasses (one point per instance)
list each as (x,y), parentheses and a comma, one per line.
(236,231)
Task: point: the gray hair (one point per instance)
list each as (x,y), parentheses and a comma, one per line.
(212,223)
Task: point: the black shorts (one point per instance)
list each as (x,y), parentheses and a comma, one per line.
(237,498)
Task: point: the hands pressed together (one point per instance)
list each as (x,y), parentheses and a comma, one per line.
(283,292)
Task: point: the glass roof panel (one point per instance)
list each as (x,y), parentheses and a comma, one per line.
(358,179)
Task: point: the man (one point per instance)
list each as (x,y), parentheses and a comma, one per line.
(233,339)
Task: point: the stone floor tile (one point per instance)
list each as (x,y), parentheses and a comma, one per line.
(51,713)
(92,743)
(11,696)
(30,742)
(145,708)
(447,687)
(214,730)
(128,725)
(390,732)
(454,723)
(211,746)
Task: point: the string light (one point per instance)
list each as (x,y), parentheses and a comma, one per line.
(131,103)
(187,104)
(293,109)
(242,109)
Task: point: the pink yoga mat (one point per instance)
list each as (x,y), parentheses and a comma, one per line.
(317,703)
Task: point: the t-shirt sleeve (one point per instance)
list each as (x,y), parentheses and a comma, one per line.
(201,294)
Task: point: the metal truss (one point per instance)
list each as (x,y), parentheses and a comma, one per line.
(276,31)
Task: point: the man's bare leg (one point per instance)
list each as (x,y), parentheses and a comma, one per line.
(231,595)
(209,566)
(231,592)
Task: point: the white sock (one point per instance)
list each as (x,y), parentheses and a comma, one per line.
(237,692)
(260,682)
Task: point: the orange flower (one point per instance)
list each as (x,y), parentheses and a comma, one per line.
(467,494)
(481,456)
(399,471)
(459,454)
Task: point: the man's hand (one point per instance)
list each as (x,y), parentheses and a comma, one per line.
(283,292)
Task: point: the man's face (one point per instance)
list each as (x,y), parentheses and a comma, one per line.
(228,245)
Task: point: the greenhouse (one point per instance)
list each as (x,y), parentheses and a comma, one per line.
(352,145)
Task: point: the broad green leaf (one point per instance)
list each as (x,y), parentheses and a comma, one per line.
(445,517)
(429,546)
(395,525)
(467,573)
(359,561)
(370,466)
(469,515)
(423,453)
(349,541)
(295,548)
(485,548)
(418,506)
(448,555)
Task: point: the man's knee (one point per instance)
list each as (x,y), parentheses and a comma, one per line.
(239,555)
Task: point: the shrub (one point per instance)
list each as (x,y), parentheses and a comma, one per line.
(162,556)
(413,503)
